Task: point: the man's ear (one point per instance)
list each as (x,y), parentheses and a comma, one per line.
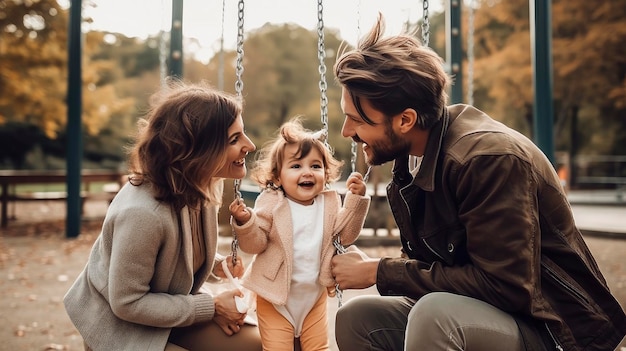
(408,119)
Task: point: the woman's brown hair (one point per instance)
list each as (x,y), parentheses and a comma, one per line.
(181,142)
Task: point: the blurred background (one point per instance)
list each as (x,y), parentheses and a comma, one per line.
(126,52)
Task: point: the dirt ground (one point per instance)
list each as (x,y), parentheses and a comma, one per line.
(38,264)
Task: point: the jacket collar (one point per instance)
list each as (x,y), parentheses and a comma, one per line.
(425,178)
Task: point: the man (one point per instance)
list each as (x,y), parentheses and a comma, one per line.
(492,259)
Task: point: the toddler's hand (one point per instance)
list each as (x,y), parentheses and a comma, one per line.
(355,184)
(239,211)
(236,270)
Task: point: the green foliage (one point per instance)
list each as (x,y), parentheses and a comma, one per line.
(281,79)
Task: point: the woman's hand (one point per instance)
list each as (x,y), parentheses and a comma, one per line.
(239,211)
(355,184)
(237,270)
(226,314)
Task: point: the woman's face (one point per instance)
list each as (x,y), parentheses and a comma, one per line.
(238,147)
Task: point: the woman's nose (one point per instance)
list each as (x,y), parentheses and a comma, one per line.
(249,147)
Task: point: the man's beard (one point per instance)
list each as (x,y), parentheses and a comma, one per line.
(387,150)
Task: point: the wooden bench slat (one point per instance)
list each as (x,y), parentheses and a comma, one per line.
(43,195)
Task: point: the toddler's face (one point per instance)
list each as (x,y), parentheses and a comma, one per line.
(302,179)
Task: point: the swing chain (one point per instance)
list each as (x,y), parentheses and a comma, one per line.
(239,64)
(220,71)
(321,55)
(353,156)
(234,245)
(426,25)
(470,53)
(340,250)
(239,89)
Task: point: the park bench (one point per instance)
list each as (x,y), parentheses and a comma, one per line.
(11,178)
(618,183)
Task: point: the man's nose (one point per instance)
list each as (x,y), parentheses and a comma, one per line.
(346,130)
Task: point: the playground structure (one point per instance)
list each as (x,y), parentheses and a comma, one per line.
(540,11)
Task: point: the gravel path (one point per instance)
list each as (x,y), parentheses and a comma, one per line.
(38,264)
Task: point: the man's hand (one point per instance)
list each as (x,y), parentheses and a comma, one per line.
(354,269)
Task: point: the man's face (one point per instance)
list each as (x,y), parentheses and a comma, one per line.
(380,141)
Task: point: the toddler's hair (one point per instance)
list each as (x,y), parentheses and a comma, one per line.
(271,157)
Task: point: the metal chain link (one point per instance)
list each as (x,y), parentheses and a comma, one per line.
(239,90)
(321,55)
(162,50)
(413,160)
(239,64)
(220,70)
(470,54)
(340,250)
(234,245)
(353,149)
(426,25)
(353,157)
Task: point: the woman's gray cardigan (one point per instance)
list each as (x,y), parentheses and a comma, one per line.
(139,281)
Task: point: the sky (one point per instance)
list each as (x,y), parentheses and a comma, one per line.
(202,19)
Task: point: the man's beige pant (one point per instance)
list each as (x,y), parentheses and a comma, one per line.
(437,321)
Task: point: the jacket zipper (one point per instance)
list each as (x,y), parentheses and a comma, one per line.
(408,210)
(432,250)
(564,284)
(556,343)
(406,205)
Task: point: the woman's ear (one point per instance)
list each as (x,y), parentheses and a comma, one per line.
(408,119)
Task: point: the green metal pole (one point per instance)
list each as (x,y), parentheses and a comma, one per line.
(454,50)
(176,39)
(541,44)
(74,127)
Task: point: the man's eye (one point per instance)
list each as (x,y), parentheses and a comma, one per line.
(354,119)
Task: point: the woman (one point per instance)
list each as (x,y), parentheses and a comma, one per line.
(140,287)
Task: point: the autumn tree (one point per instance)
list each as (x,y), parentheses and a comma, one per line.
(34,59)
(589,70)
(281,79)
(33,74)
